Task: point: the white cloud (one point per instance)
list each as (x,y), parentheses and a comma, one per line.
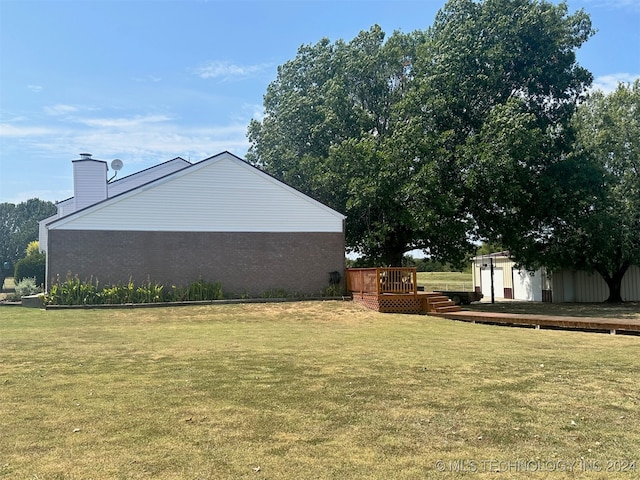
(35,88)
(60,109)
(609,83)
(227,70)
(147,79)
(135,121)
(8,130)
(160,143)
(140,140)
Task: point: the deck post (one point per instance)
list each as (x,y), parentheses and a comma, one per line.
(414,280)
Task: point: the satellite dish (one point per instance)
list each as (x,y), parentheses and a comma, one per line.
(116,164)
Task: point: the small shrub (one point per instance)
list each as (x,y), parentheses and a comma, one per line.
(26,286)
(31,266)
(334,290)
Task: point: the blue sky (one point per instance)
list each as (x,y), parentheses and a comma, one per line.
(149,80)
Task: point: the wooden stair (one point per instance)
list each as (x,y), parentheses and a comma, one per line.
(433,302)
(422,303)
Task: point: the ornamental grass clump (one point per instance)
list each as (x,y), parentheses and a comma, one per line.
(196,291)
(149,293)
(73,292)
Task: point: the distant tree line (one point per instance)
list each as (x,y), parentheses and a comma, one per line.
(18,228)
(421,264)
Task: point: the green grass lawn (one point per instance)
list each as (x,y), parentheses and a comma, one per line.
(323,390)
(456,281)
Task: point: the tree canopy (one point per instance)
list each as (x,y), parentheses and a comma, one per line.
(601,230)
(327,131)
(584,207)
(385,131)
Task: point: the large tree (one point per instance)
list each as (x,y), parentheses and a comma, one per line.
(19,227)
(498,77)
(581,211)
(328,121)
(609,133)
(601,230)
(378,130)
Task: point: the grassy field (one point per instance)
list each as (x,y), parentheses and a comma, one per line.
(309,390)
(455,281)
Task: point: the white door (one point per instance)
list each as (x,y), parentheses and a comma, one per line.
(498,282)
(527,286)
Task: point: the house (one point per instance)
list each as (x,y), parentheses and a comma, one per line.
(542,285)
(219,219)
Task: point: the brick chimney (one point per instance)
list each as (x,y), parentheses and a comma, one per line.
(89,181)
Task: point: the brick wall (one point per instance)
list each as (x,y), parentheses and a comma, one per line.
(245,262)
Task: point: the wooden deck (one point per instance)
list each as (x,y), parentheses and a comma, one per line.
(394,290)
(587,324)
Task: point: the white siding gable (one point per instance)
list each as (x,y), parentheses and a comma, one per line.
(220,194)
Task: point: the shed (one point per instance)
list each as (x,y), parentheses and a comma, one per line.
(580,286)
(220,219)
(509,280)
(513,282)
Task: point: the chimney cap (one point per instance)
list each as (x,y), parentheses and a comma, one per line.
(85,155)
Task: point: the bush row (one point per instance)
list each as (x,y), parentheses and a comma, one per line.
(72,291)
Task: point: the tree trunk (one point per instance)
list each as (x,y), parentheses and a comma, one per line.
(393,249)
(614,282)
(393,258)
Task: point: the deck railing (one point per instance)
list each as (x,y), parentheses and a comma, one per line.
(399,280)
